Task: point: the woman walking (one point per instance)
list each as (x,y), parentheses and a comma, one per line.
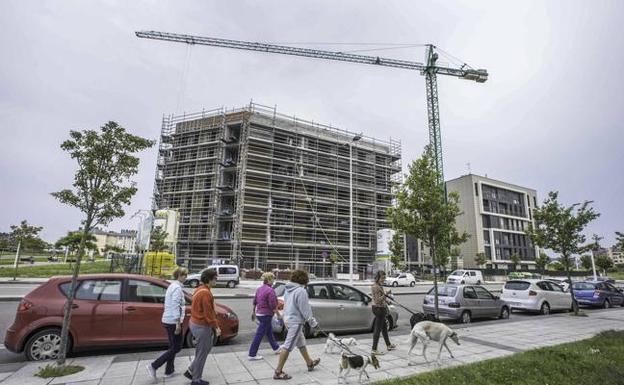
(297,312)
(380,310)
(172,319)
(264,307)
(203,325)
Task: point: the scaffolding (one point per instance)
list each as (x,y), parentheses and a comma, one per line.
(266,190)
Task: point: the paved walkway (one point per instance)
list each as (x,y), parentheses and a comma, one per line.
(478,342)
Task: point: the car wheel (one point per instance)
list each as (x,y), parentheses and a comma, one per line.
(413,283)
(606,304)
(193,283)
(465,318)
(44,345)
(395,284)
(231,285)
(504,313)
(545,309)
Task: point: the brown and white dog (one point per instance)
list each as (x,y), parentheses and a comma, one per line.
(431,331)
(356,362)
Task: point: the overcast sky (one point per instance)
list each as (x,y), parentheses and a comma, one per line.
(549,117)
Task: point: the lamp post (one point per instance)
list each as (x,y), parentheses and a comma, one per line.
(353,140)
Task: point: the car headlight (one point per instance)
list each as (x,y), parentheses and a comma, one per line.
(230,315)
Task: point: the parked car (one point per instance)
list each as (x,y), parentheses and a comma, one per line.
(109,310)
(465,302)
(227,275)
(592,293)
(468,277)
(536,295)
(400,279)
(563,282)
(339,307)
(601,279)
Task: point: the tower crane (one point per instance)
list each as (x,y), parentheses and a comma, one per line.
(429,70)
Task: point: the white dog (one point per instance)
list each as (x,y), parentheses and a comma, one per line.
(336,345)
(431,331)
(356,362)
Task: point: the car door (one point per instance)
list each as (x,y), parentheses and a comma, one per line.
(402,279)
(615,296)
(354,311)
(471,301)
(323,307)
(96,312)
(143,308)
(472,278)
(564,299)
(487,303)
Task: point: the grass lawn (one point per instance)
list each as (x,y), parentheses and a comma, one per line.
(45,271)
(598,360)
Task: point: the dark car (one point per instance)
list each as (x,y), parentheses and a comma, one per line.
(110,310)
(592,293)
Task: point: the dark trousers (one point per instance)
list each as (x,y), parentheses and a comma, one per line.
(264,329)
(175,345)
(380,312)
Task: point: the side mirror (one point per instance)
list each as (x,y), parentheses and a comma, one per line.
(496,297)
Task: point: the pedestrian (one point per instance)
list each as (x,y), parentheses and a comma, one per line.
(297,312)
(264,308)
(203,325)
(172,319)
(380,310)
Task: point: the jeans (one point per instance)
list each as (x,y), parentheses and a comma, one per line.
(380,312)
(175,345)
(264,329)
(204,337)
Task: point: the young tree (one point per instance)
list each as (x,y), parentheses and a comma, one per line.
(73,239)
(561,228)
(515,260)
(480,259)
(424,212)
(24,234)
(604,262)
(396,248)
(157,239)
(106,162)
(541,261)
(586,261)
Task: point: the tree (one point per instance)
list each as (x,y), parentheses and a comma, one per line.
(23,234)
(333,259)
(586,261)
(561,228)
(106,162)
(515,260)
(557,266)
(396,248)
(73,239)
(157,239)
(604,262)
(541,261)
(480,259)
(423,211)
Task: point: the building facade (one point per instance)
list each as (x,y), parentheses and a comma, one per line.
(265,190)
(124,240)
(496,215)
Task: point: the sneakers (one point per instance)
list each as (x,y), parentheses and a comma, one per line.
(391,347)
(170,375)
(377,352)
(254,358)
(188,375)
(151,371)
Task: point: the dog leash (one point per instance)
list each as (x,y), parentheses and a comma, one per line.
(338,342)
(400,305)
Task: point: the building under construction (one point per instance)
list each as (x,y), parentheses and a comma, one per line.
(265,190)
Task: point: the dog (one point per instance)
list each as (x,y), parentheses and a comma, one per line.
(336,345)
(431,331)
(356,362)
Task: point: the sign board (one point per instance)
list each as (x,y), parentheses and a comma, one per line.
(384,236)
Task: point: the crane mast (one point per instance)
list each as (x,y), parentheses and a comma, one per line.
(429,69)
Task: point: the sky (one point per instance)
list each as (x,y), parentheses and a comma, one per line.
(549,117)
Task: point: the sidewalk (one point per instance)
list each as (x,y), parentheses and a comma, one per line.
(478,343)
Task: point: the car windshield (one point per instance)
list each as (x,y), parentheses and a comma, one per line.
(583,286)
(445,291)
(458,272)
(395,275)
(517,285)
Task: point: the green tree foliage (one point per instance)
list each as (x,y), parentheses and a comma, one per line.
(586,261)
(515,260)
(397,250)
(25,235)
(557,266)
(561,229)
(72,241)
(106,162)
(422,212)
(481,259)
(604,262)
(157,239)
(542,260)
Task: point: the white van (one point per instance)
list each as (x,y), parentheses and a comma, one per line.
(227,275)
(470,277)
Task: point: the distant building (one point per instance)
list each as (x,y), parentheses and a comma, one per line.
(496,215)
(616,256)
(125,239)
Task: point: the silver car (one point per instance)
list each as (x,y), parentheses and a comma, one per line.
(465,302)
(339,307)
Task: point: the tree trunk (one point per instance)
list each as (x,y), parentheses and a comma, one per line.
(567,269)
(70,296)
(435,280)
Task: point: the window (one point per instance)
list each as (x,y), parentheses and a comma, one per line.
(143,291)
(473,274)
(318,291)
(517,285)
(476,189)
(96,290)
(544,286)
(445,291)
(482,293)
(469,293)
(344,293)
(227,270)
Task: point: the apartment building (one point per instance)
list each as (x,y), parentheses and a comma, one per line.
(496,215)
(124,239)
(266,190)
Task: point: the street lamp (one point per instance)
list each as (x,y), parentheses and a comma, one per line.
(355,139)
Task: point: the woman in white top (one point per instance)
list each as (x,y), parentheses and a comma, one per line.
(172,319)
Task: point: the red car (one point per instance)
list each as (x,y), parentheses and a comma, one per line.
(109,310)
